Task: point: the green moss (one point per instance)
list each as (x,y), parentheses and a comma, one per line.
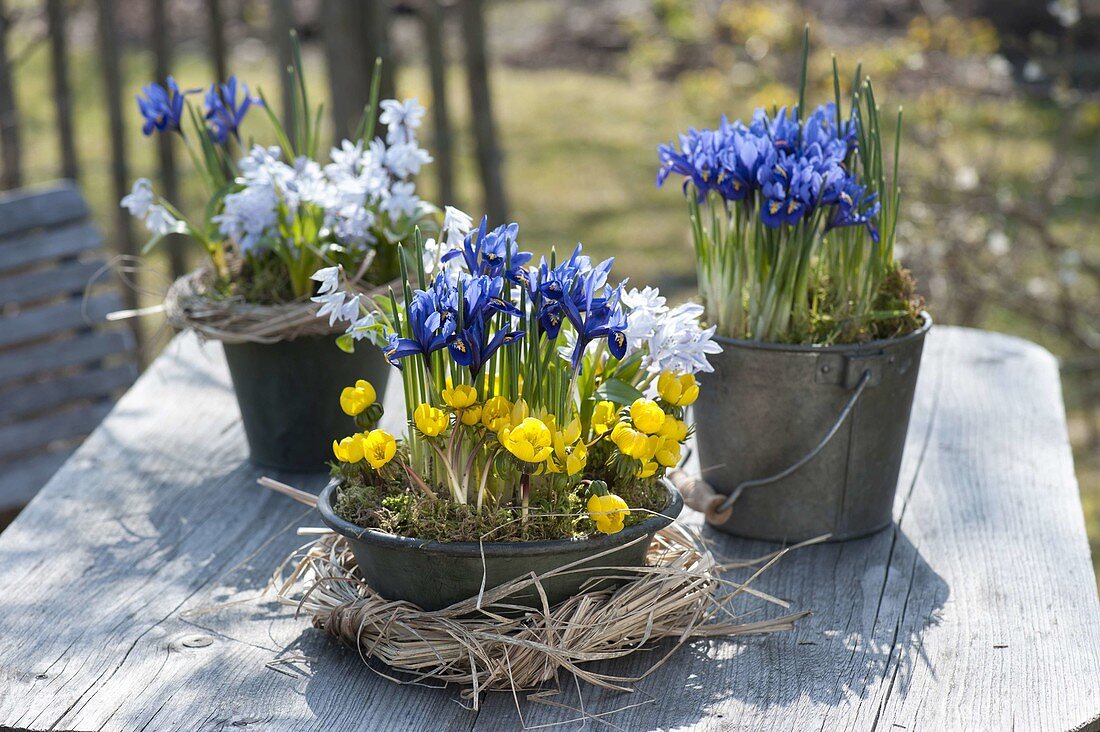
(896,311)
(399,509)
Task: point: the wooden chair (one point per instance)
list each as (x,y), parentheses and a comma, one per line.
(61,367)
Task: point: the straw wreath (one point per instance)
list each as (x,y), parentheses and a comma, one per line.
(189,305)
(487,643)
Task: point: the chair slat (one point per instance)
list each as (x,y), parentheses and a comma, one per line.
(67,279)
(24,250)
(42,396)
(21,479)
(73,315)
(37,433)
(31,208)
(56,355)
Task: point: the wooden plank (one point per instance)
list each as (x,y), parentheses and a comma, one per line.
(976,610)
(282,23)
(485,133)
(154,525)
(31,208)
(47,245)
(39,432)
(110,63)
(22,479)
(431,13)
(63,98)
(71,278)
(46,395)
(59,318)
(158,517)
(43,358)
(11,176)
(218,48)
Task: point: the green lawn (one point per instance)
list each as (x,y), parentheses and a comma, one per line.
(579,165)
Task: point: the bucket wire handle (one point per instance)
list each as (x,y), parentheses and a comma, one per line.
(863,381)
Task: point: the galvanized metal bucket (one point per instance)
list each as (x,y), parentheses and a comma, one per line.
(807,440)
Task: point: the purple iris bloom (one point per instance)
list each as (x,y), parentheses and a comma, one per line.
(472,346)
(224,112)
(854,207)
(431,328)
(493,253)
(162,106)
(600,317)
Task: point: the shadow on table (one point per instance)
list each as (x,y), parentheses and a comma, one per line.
(865,634)
(344,692)
(872,601)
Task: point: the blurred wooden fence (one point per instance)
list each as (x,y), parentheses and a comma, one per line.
(353,32)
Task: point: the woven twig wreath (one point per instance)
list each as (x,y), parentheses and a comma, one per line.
(680,595)
(188,305)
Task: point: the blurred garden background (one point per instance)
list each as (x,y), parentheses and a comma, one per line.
(1001,152)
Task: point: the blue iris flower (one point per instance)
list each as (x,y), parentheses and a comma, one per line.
(592,307)
(782,128)
(787,168)
(482,297)
(162,106)
(493,253)
(697,160)
(854,207)
(224,112)
(431,326)
(574,281)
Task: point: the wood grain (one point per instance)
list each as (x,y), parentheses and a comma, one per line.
(57,355)
(53,319)
(67,278)
(30,208)
(976,610)
(36,247)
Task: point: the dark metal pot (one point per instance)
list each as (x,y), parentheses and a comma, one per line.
(768,405)
(434,575)
(289,395)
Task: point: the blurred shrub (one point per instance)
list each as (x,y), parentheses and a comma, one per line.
(954,36)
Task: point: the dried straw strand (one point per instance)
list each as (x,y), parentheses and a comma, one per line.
(489,644)
(190,305)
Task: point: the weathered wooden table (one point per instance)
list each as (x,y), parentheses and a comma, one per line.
(976,610)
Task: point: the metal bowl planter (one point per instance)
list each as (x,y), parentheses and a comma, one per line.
(434,575)
(289,395)
(807,440)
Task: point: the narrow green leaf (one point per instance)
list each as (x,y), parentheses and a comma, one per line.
(617,391)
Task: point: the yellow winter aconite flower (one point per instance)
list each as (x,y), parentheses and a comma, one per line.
(496,413)
(355,399)
(608,512)
(647,416)
(349,449)
(572,431)
(675,428)
(565,459)
(604,417)
(668,452)
(379,447)
(530,440)
(633,443)
(460,397)
(647,470)
(679,390)
(430,420)
(471,415)
(577,460)
(520,411)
